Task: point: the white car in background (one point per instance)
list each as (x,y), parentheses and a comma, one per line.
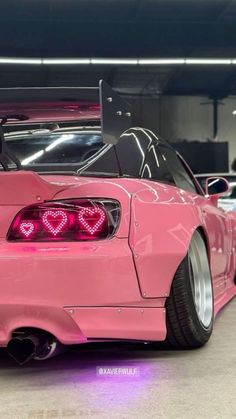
(227,202)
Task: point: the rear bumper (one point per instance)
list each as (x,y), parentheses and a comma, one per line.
(68,274)
(75,291)
(141,323)
(76,325)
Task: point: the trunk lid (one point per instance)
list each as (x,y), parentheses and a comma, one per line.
(25,188)
(19,189)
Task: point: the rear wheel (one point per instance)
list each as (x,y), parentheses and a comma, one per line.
(189,308)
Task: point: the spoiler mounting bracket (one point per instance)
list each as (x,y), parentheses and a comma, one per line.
(6,156)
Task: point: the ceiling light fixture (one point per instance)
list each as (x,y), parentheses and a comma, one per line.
(161,61)
(117,61)
(65,61)
(206,61)
(9,60)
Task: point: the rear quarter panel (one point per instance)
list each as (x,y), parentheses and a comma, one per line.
(163,219)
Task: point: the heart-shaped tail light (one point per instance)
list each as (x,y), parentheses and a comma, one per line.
(69,220)
(91,220)
(27,228)
(55,221)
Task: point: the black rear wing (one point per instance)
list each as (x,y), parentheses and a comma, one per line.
(55,104)
(116,114)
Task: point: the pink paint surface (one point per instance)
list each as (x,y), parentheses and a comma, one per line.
(106,289)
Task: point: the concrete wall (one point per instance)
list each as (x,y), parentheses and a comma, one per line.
(186,117)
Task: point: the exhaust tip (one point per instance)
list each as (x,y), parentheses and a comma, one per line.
(29,344)
(21,350)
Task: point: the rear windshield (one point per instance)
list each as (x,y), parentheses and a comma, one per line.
(80,151)
(55,148)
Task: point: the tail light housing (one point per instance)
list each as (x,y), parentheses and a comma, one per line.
(69,220)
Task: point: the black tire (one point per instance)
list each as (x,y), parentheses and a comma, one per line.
(184,328)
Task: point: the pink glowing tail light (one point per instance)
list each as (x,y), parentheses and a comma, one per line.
(91,219)
(27,228)
(54,221)
(69,220)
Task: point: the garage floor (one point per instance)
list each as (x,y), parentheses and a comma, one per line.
(166,384)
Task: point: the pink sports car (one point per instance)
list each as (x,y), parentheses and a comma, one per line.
(105,232)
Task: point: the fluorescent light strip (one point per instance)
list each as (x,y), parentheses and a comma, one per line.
(206,61)
(107,61)
(9,60)
(161,61)
(118,61)
(66,61)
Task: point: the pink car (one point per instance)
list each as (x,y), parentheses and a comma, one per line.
(105,235)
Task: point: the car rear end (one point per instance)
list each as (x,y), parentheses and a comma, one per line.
(67,270)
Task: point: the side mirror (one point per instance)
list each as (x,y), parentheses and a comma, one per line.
(217,187)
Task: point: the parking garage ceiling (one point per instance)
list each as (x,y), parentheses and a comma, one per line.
(121,29)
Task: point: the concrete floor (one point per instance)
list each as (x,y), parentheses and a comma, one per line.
(167,384)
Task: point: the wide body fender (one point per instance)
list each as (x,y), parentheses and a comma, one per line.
(161,229)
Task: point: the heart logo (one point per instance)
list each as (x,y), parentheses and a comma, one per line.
(91,219)
(26,228)
(54,221)
(22,350)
